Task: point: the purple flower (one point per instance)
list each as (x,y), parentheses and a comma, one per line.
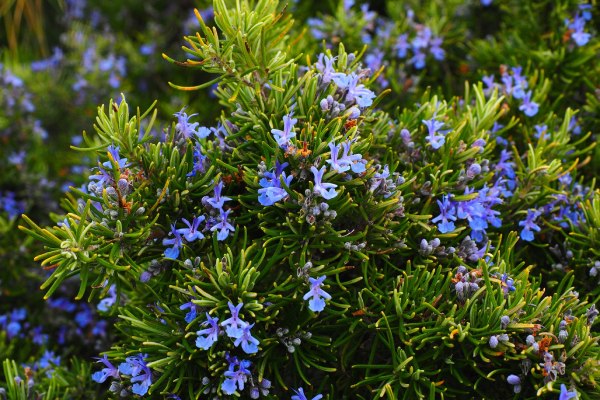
(447,215)
(520,83)
(529,225)
(316,295)
(301,396)
(402,45)
(39,337)
(106,303)
(192,233)
(507,284)
(283,137)
(434,138)
(138,370)
(109,370)
(234,323)
(577,26)
(217,200)
(418,60)
(541,132)
(355,92)
(176,242)
(49,358)
(347,161)
(144,379)
(207,337)
(421,41)
(271,191)
(191,315)
(248,342)
(184,127)
(581,38)
(200,161)
(325,190)
(316,25)
(529,107)
(223,226)
(436,49)
(565,394)
(235,378)
(9,203)
(333,161)
(325,66)
(489,83)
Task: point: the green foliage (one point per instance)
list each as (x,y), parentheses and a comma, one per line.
(353,281)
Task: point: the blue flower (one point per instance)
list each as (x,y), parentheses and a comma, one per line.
(109,370)
(434,138)
(184,127)
(192,233)
(191,315)
(248,342)
(520,83)
(577,26)
(325,66)
(355,92)
(529,225)
(301,396)
(529,107)
(447,215)
(207,337)
(402,46)
(271,191)
(580,37)
(334,162)
(436,49)
(507,284)
(176,242)
(541,132)
(565,394)
(138,370)
(488,80)
(103,177)
(223,226)
(9,203)
(325,190)
(316,295)
(217,200)
(200,161)
(49,358)
(347,161)
(235,378)
(234,323)
(283,137)
(106,303)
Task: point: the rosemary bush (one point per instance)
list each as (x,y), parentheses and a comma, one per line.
(413,218)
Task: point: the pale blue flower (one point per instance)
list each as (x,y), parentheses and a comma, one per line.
(316,295)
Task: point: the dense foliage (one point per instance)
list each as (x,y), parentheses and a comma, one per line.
(373,201)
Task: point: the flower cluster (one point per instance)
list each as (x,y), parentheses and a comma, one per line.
(478,211)
(235,328)
(576,25)
(514,84)
(134,369)
(271,190)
